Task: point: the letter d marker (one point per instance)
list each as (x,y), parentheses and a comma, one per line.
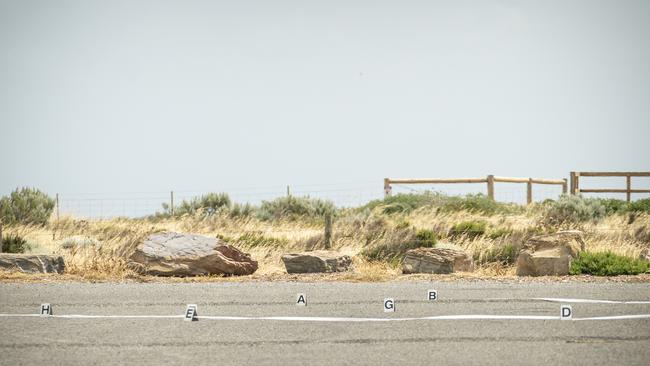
(566,313)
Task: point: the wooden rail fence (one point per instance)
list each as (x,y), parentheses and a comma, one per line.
(489,180)
(575,183)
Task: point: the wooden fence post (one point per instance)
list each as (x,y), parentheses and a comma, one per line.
(387,188)
(628,178)
(564,186)
(57,207)
(0,235)
(288,192)
(490,186)
(529,191)
(328,231)
(171,202)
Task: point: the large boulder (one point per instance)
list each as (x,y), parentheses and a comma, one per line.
(30,263)
(317,261)
(549,255)
(437,260)
(174,254)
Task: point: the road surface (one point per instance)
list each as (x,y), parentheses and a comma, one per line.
(341,324)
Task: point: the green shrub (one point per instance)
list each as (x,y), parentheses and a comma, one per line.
(208,204)
(26,206)
(613,206)
(295,207)
(607,264)
(470,229)
(426,237)
(477,203)
(14,244)
(394,247)
(402,202)
(499,232)
(241,210)
(573,209)
(408,202)
(639,205)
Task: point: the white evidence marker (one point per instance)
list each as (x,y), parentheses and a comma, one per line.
(46,310)
(432,295)
(566,313)
(389,305)
(301,300)
(191,313)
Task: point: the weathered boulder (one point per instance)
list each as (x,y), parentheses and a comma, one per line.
(317,261)
(437,260)
(31,263)
(549,255)
(174,254)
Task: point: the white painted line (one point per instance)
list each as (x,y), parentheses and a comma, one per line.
(81,316)
(588,301)
(338,319)
(617,317)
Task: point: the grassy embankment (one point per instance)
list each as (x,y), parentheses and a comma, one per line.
(376,234)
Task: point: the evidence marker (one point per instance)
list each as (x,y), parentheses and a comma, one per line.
(566,313)
(432,295)
(46,310)
(389,305)
(191,313)
(301,300)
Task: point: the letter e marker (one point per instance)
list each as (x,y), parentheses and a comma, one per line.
(191,313)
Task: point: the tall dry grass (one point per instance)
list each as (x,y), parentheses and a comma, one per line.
(109,242)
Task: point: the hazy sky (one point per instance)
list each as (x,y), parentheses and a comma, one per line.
(149,96)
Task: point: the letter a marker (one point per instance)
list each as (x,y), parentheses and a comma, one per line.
(301,300)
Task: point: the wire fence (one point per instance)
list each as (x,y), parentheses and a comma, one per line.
(103,206)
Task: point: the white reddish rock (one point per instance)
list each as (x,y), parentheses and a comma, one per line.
(175,254)
(436,260)
(318,261)
(550,255)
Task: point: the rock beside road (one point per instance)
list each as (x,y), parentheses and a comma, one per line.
(436,260)
(175,254)
(318,261)
(29,263)
(550,255)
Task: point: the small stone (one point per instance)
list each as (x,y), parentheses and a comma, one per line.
(31,263)
(437,260)
(318,261)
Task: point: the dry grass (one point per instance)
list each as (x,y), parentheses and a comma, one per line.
(268,241)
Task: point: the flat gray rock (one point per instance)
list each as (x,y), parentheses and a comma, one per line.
(32,263)
(436,260)
(318,261)
(175,254)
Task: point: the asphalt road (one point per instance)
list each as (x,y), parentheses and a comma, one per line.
(153,341)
